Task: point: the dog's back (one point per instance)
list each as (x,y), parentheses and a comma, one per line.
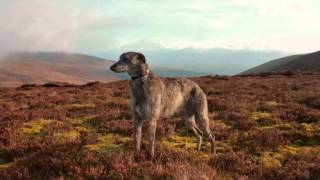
(184,97)
(179,95)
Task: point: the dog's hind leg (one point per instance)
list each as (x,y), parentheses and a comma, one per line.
(202,120)
(203,123)
(212,140)
(191,124)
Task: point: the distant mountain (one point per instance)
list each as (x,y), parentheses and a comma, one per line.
(300,62)
(216,60)
(42,67)
(168,72)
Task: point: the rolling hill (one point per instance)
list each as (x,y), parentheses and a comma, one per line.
(42,67)
(300,62)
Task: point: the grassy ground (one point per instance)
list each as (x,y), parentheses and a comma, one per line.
(267,127)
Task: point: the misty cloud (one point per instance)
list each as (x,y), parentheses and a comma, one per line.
(96,26)
(45,25)
(36,25)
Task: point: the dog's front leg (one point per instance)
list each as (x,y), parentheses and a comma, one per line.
(152,134)
(137,132)
(153,114)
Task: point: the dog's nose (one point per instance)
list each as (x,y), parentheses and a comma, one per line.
(112,68)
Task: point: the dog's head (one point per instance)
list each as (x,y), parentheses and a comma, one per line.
(133,63)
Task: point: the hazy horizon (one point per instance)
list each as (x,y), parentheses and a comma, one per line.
(225,36)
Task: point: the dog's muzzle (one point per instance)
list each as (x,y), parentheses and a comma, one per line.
(112,68)
(117,67)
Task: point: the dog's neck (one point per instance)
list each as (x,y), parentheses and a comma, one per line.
(145,73)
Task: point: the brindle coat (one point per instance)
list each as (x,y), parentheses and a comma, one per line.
(153,97)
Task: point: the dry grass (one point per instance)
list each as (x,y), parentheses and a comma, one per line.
(267,127)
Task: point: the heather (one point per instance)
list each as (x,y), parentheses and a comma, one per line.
(267,127)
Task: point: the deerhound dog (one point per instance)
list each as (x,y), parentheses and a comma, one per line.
(153,97)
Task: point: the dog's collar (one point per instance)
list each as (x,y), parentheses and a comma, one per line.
(137,77)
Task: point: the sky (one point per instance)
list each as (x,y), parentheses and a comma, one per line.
(98,27)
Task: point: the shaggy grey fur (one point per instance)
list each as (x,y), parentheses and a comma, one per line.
(153,97)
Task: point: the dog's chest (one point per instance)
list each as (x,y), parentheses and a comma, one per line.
(138,100)
(138,110)
(139,106)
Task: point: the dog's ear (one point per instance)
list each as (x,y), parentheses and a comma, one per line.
(144,70)
(141,57)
